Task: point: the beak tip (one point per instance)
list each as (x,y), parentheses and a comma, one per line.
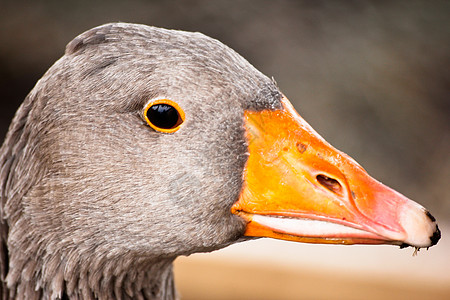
(420,227)
(436,236)
(430,216)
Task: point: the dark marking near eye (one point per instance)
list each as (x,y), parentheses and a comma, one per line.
(267,97)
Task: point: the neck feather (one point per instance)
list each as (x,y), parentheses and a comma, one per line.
(74,276)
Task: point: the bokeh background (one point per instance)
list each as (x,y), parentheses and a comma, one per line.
(372,77)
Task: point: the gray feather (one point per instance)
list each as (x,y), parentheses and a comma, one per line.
(96,204)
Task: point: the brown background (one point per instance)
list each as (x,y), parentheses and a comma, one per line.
(371,76)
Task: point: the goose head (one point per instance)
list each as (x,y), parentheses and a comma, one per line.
(142,144)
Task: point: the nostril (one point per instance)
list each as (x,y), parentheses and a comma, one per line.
(329,183)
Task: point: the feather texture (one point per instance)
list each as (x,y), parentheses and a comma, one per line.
(94,203)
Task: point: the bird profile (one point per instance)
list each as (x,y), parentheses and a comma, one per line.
(142,144)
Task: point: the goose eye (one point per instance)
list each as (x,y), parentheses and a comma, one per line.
(164,115)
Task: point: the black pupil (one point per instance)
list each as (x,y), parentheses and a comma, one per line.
(163,116)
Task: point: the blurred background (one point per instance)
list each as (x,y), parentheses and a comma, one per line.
(372,77)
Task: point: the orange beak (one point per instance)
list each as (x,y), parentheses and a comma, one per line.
(298,187)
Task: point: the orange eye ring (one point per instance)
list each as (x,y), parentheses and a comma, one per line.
(164,115)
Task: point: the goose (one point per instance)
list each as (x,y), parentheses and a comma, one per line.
(142,144)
